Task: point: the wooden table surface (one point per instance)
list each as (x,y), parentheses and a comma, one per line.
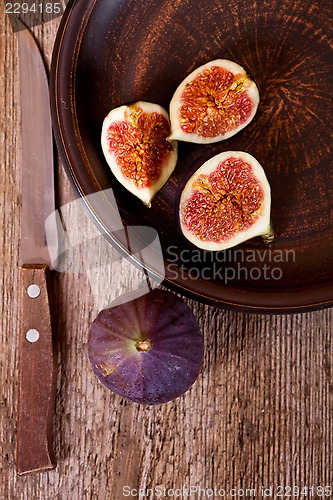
(259,415)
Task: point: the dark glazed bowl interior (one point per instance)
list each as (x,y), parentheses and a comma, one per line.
(111,53)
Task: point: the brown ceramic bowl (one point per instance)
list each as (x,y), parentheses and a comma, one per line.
(110,53)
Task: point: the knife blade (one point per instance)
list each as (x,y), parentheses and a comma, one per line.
(36,365)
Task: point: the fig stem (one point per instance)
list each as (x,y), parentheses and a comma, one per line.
(270,235)
(143,345)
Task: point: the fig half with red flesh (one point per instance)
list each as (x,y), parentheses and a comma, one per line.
(213,103)
(226,202)
(148,350)
(135,145)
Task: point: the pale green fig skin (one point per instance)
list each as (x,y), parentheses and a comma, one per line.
(261,227)
(176,131)
(119,115)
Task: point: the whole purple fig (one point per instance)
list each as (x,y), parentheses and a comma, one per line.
(148,350)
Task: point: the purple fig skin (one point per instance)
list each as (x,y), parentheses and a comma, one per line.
(148,350)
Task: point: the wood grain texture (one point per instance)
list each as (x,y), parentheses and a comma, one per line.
(259,414)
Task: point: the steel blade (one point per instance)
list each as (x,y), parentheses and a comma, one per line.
(38,198)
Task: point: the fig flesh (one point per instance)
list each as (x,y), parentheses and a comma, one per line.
(226,202)
(135,145)
(148,350)
(213,103)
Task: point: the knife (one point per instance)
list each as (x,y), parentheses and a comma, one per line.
(36,365)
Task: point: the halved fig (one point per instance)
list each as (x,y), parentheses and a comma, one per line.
(214,102)
(135,145)
(225,202)
(148,350)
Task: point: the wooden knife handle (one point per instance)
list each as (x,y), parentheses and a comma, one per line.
(37,380)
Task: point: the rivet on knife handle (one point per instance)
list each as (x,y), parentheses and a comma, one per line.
(37,382)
